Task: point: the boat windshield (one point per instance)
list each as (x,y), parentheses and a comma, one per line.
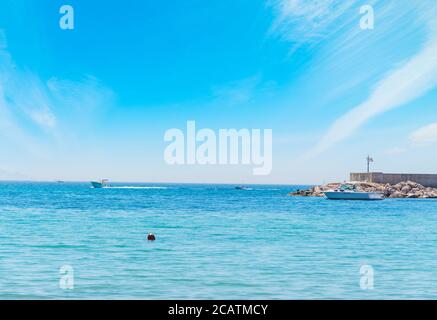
(347,187)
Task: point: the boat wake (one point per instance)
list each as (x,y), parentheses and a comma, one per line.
(133,187)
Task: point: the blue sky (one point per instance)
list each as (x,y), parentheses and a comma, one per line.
(96,101)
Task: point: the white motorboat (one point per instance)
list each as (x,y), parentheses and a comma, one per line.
(349,192)
(100,184)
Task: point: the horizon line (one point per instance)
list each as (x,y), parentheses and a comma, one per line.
(148,182)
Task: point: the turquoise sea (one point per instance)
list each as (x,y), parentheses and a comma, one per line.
(213,242)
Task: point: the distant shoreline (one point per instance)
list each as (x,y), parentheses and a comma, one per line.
(169,183)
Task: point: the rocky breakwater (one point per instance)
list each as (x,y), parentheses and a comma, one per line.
(407,189)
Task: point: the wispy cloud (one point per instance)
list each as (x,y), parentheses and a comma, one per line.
(26,93)
(32,109)
(237,92)
(402,85)
(308,21)
(395,151)
(83,96)
(424,136)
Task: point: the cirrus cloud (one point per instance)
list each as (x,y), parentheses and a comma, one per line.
(33,110)
(402,85)
(425,136)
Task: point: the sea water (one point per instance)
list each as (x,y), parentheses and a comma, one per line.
(212,242)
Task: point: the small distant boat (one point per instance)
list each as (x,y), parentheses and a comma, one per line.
(349,192)
(99,184)
(242,188)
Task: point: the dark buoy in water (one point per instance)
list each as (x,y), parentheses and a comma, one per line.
(151,237)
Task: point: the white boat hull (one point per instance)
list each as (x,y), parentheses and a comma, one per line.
(340,195)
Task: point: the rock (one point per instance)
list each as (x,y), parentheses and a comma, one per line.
(412,195)
(406,189)
(331,186)
(430,194)
(388,191)
(397,194)
(398,187)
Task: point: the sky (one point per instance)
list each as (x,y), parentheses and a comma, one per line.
(95,102)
